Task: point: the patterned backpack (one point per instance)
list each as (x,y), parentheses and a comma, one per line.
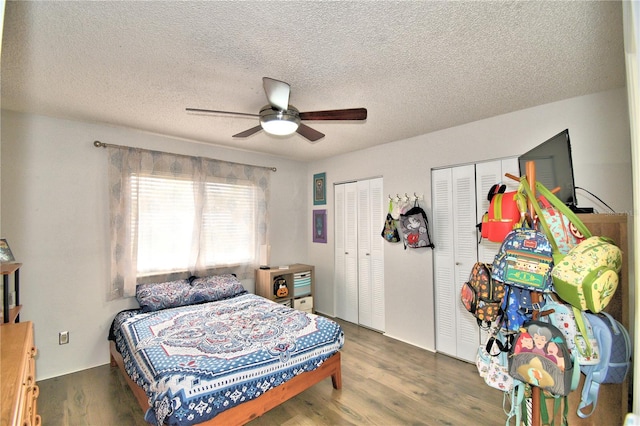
(481,295)
(525,260)
(541,358)
(577,331)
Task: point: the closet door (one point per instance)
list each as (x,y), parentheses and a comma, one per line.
(339,276)
(346,251)
(454,206)
(370,254)
(359,253)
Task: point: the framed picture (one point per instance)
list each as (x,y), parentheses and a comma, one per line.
(319,189)
(5,252)
(320,226)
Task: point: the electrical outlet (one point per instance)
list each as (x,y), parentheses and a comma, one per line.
(63,337)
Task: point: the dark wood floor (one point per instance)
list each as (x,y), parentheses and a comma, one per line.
(385,382)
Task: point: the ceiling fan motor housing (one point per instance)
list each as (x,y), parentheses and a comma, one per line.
(279,122)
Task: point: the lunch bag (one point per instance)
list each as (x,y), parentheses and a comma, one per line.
(541,358)
(525,260)
(587,277)
(615,360)
(481,295)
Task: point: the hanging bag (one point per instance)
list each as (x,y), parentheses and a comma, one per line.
(562,227)
(390,230)
(504,215)
(525,260)
(587,277)
(493,364)
(615,348)
(541,358)
(482,295)
(577,331)
(415,228)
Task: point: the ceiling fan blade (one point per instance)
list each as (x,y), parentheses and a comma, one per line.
(309,133)
(277,93)
(213,111)
(248,132)
(336,114)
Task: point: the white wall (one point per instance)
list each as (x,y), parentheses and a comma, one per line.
(54,215)
(599,129)
(54,209)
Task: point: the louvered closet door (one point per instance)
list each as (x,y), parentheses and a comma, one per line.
(370,259)
(339,276)
(346,251)
(454,207)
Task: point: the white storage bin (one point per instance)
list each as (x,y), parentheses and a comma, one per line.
(303,304)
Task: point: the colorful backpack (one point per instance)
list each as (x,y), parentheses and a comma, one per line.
(525,260)
(541,358)
(564,229)
(517,308)
(577,331)
(587,277)
(503,216)
(481,295)
(615,360)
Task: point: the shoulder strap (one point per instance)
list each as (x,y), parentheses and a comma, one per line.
(517,399)
(589,396)
(577,314)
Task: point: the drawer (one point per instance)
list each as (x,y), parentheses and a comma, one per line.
(303,303)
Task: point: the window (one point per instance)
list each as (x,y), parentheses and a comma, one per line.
(166,217)
(173,216)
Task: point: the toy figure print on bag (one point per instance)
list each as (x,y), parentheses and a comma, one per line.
(540,357)
(415,228)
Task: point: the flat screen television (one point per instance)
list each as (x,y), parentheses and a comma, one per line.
(554,167)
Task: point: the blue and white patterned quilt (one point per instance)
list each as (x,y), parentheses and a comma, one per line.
(197,361)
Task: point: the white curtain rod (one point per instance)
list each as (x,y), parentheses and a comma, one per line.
(99,144)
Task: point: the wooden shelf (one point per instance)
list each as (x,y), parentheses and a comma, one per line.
(265,278)
(10,315)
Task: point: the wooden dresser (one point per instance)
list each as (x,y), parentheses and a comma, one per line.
(19,392)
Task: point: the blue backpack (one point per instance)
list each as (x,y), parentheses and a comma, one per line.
(525,260)
(615,359)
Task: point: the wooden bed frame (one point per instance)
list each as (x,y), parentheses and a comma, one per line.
(249,410)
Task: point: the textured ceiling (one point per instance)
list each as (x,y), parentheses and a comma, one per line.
(417,67)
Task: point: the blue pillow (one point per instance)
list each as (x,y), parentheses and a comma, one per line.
(171,294)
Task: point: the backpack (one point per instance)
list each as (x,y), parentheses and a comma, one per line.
(481,295)
(525,260)
(541,358)
(415,228)
(517,307)
(503,215)
(577,331)
(615,359)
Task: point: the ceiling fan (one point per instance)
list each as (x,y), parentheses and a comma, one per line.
(281,119)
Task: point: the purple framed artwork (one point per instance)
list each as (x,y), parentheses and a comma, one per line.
(320,226)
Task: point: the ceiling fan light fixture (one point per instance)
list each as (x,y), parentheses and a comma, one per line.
(279,123)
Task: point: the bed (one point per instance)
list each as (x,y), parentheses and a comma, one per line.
(204,351)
